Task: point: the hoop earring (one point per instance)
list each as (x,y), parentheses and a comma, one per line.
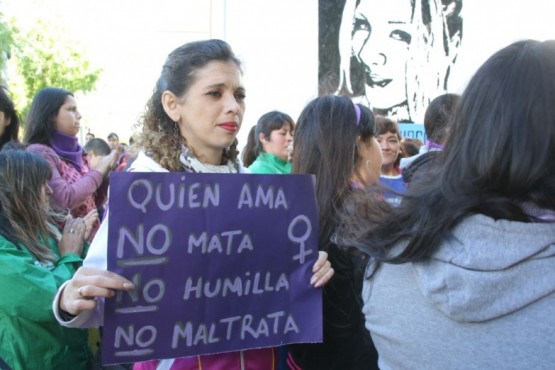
(366,164)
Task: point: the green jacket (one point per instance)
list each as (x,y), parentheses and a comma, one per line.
(30,337)
(270,164)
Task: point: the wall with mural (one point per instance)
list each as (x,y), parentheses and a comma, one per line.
(289,48)
(397,55)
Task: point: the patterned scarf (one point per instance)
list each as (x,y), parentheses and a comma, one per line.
(191,163)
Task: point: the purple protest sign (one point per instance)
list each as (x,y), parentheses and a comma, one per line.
(220,263)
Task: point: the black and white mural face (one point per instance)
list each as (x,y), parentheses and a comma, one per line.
(395,56)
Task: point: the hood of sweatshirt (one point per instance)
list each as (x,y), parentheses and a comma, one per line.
(490,268)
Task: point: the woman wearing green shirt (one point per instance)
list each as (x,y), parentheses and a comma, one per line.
(269,144)
(268,151)
(35,259)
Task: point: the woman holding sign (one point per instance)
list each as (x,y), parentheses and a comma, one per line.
(335,140)
(191,123)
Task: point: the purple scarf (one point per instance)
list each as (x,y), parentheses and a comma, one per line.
(542,214)
(430,145)
(68,148)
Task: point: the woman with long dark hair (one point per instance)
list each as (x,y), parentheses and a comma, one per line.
(51,131)
(464,270)
(335,141)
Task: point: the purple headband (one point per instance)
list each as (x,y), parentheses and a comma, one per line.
(357,111)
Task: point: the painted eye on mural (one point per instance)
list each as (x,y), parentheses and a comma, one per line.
(401,35)
(361,25)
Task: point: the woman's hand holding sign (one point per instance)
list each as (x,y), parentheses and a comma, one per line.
(322,269)
(86,285)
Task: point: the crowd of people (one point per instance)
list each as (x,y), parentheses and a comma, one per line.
(438,258)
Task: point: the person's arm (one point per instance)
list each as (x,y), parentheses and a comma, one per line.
(70,196)
(66,195)
(27,286)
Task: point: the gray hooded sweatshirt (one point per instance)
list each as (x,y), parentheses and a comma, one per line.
(485,300)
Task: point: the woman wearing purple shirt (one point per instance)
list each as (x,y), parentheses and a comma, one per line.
(51,131)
